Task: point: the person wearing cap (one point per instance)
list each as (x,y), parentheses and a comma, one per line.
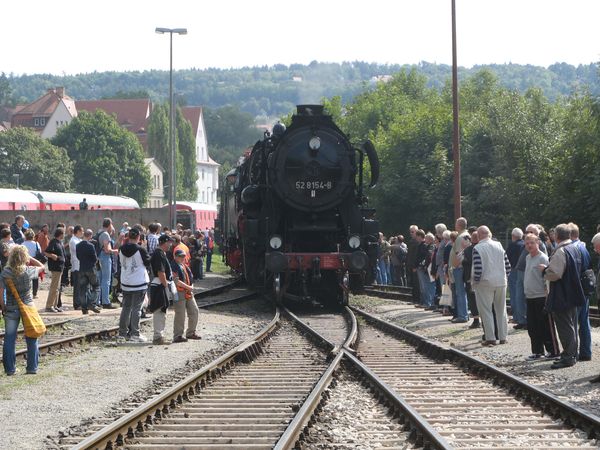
(180,245)
(159,300)
(133,259)
(185,299)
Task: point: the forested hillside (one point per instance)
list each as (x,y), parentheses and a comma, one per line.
(273,91)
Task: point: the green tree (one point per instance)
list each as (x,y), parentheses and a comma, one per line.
(6,92)
(104,152)
(187,175)
(185,150)
(40,164)
(229,131)
(575,171)
(158,140)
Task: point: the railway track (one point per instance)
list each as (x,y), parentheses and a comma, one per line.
(245,399)
(405,293)
(271,391)
(468,403)
(78,330)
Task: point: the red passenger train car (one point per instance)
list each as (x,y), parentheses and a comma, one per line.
(22,200)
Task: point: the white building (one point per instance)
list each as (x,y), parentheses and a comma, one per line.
(207,169)
(46,114)
(155,199)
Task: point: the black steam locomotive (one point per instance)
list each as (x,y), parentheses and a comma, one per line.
(294,216)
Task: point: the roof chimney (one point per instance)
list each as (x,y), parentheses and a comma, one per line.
(60,91)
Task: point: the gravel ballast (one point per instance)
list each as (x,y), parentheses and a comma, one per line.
(101,377)
(353,419)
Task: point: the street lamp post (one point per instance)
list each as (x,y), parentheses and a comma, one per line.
(18,177)
(172,190)
(455,125)
(116,183)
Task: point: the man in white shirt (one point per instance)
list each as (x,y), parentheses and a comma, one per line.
(75,239)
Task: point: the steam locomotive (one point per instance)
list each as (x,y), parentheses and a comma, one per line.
(294,218)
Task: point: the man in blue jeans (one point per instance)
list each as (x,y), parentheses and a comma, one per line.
(105,257)
(455,262)
(583,312)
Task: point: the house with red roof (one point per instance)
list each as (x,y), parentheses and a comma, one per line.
(132,114)
(46,114)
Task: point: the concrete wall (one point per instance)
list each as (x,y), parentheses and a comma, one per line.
(90,218)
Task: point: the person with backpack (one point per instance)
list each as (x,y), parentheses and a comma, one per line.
(133,260)
(596,244)
(583,312)
(89,287)
(159,287)
(565,294)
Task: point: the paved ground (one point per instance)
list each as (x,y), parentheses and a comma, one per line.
(571,383)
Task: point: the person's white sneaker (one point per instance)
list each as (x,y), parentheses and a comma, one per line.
(140,338)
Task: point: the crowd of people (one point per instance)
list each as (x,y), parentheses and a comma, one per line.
(143,270)
(465,273)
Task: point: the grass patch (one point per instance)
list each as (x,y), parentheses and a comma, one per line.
(8,385)
(218,265)
(365,300)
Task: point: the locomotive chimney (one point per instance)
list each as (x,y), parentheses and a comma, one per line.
(310,110)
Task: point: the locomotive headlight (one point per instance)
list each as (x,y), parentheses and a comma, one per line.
(275,242)
(354,241)
(314,143)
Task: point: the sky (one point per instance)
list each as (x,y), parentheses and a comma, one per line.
(79,36)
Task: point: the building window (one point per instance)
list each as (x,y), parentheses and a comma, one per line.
(202,174)
(36,122)
(42,122)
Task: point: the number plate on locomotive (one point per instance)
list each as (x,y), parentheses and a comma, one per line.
(314,185)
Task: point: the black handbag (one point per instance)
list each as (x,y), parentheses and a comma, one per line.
(39,255)
(588,281)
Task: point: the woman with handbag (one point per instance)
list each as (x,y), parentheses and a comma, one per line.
(15,282)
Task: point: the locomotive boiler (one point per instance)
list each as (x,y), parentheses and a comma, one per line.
(294,216)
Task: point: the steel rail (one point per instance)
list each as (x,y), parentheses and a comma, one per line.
(306,414)
(136,420)
(58,323)
(218,289)
(246,296)
(353,334)
(321,340)
(71,340)
(313,402)
(546,401)
(420,431)
(401,293)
